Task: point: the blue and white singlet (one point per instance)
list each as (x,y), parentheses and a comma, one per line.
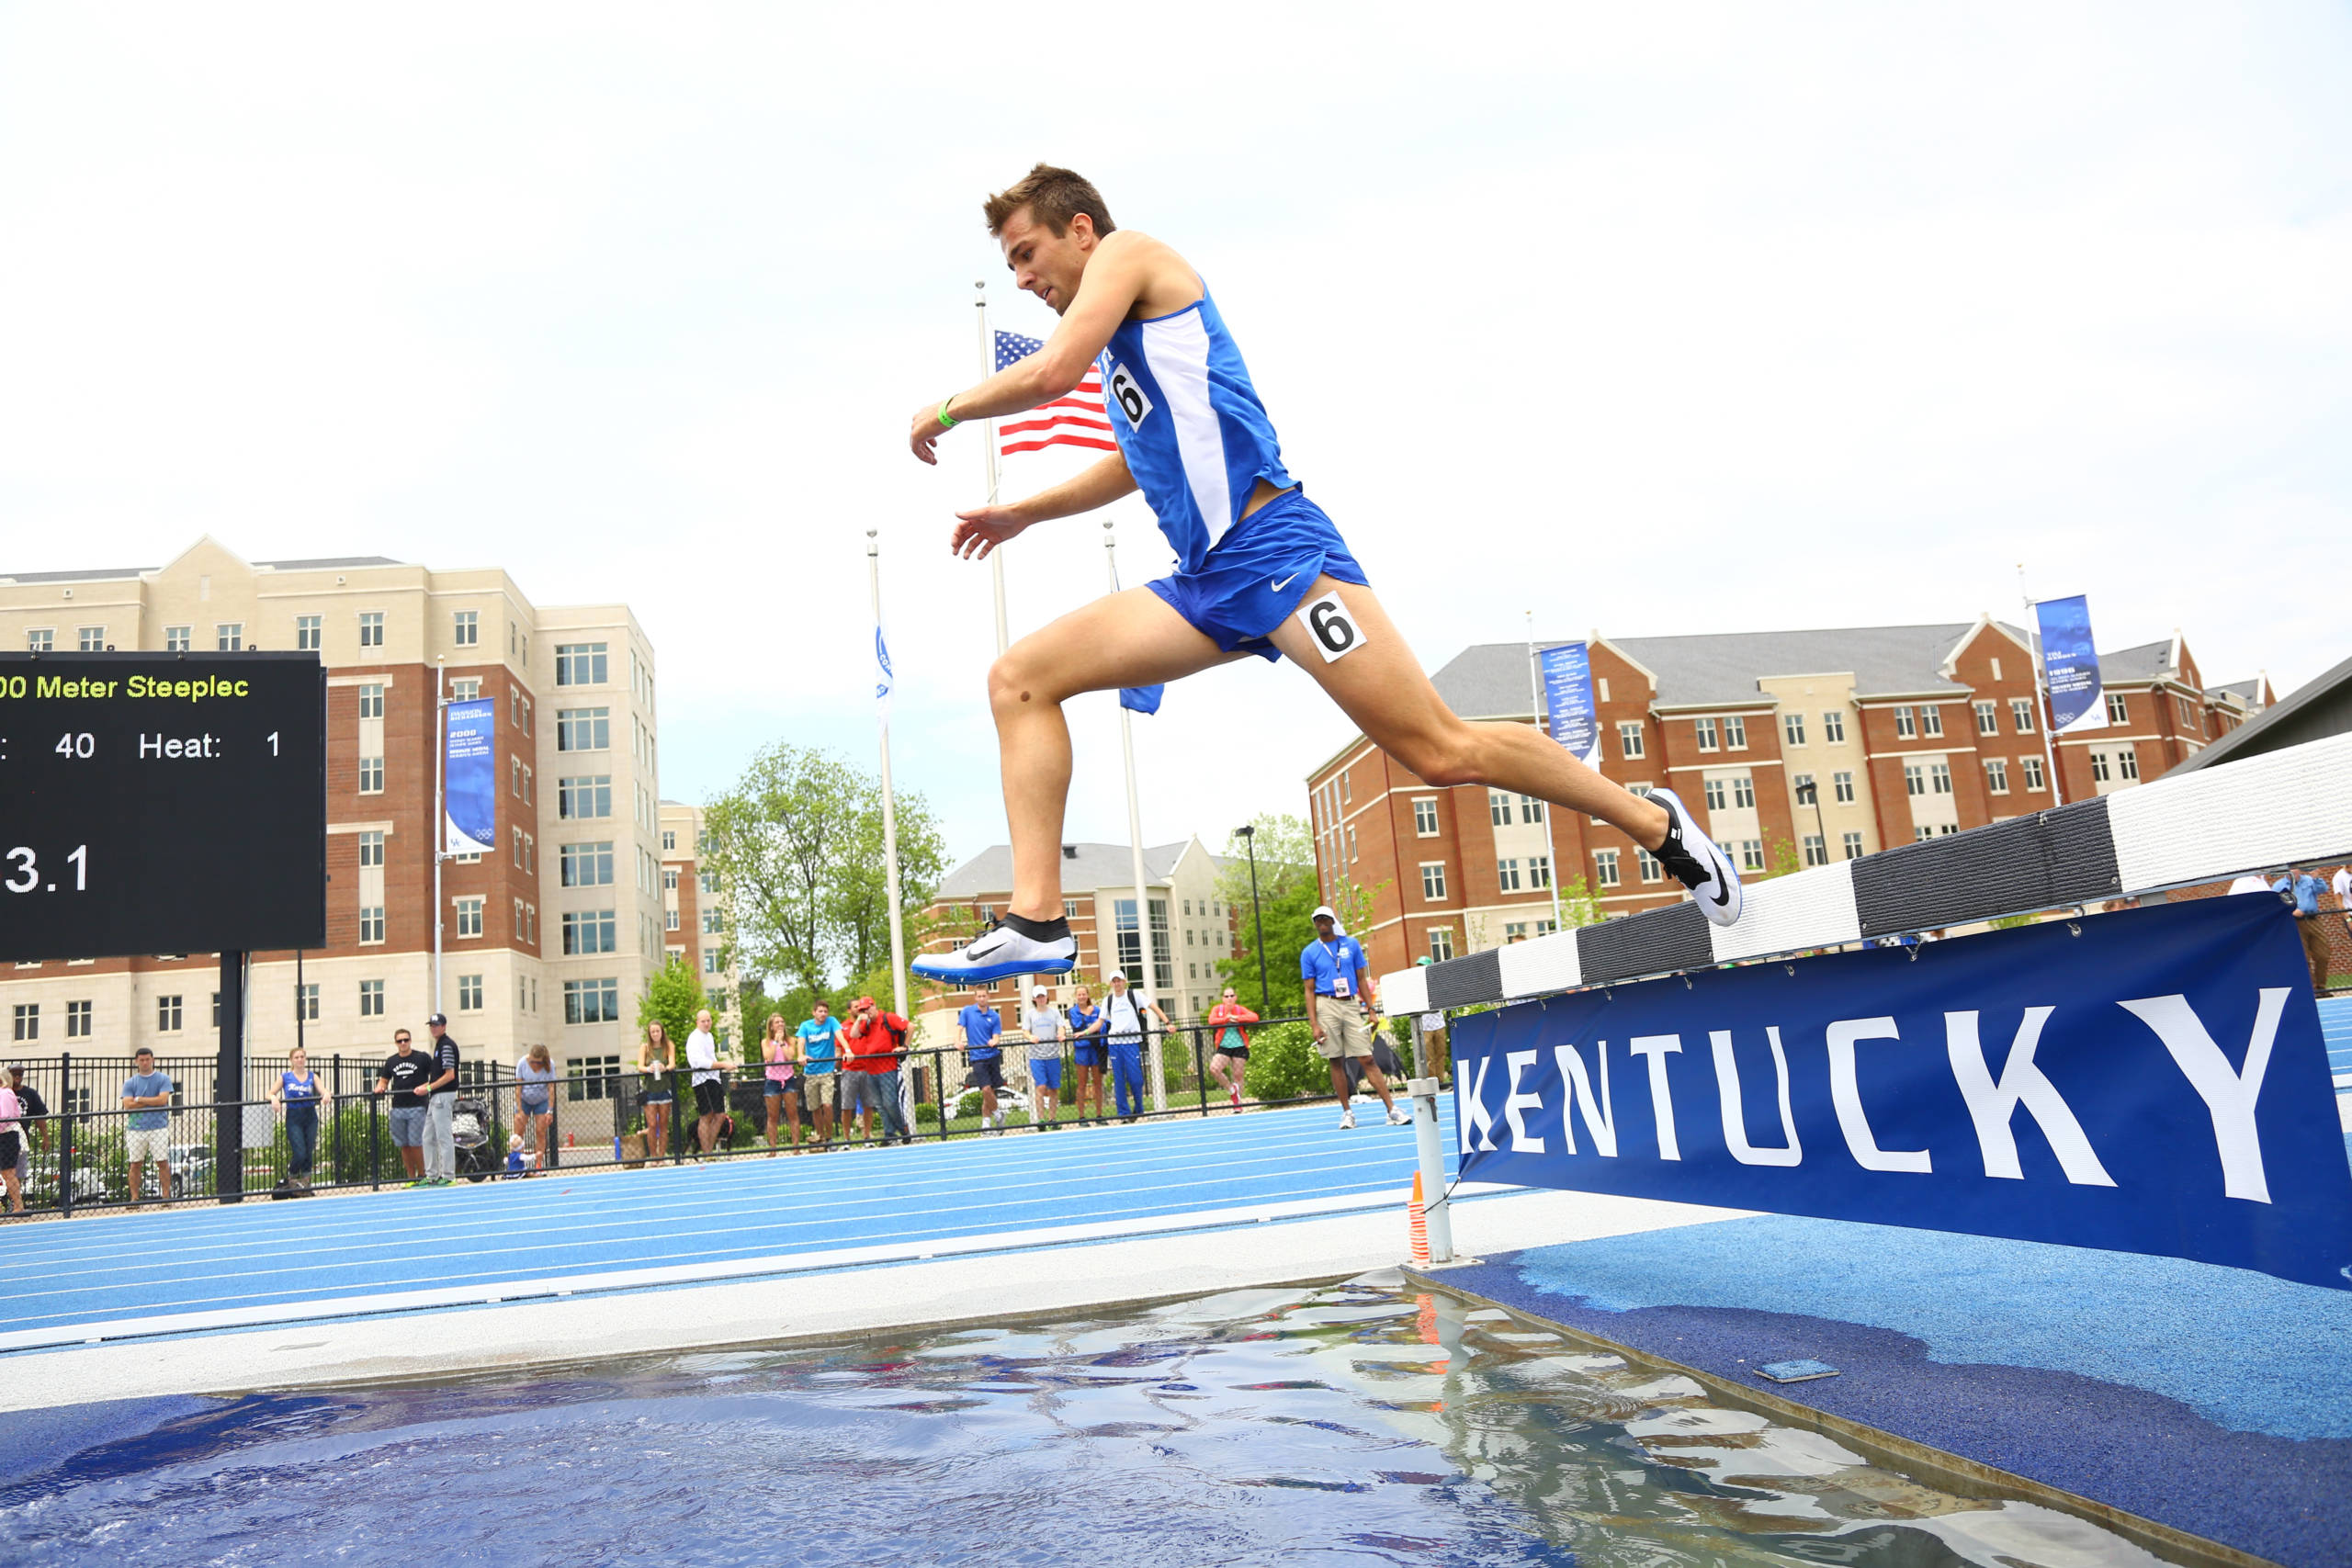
(1189,423)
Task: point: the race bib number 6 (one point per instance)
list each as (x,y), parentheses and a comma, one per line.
(1127,393)
(1330,627)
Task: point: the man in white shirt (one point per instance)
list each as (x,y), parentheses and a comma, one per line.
(710,1084)
(1125,1013)
(2341,885)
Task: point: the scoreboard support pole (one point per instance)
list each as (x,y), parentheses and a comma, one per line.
(228,1085)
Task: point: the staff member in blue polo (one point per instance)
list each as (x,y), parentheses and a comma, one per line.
(1338,982)
(981,1026)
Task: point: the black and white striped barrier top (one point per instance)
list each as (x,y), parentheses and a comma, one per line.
(2292,806)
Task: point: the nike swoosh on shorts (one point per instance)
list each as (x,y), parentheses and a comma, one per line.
(1285,582)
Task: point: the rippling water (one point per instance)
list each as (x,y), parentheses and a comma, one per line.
(1353,1425)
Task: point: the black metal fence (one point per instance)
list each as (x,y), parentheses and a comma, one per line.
(79,1156)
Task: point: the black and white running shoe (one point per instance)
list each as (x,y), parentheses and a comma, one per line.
(1011,946)
(1691,858)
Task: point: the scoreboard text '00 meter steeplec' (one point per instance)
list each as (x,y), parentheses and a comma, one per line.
(161,804)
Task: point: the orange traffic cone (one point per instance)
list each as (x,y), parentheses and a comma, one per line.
(1419,1225)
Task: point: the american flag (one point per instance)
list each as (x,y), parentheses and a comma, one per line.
(1077,419)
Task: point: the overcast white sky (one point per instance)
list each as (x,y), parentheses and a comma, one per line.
(1851,309)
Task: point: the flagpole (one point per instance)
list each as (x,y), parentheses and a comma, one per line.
(884,683)
(987,446)
(2048,716)
(1535,695)
(1149,978)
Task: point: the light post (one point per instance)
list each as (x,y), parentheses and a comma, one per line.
(1248,832)
(1809,793)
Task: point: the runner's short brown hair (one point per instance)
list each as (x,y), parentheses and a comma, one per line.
(1053,196)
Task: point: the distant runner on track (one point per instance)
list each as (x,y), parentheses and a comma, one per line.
(1260,570)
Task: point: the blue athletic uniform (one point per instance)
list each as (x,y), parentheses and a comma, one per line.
(1197,440)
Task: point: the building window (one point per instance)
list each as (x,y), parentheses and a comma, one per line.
(2118,710)
(580,664)
(586,865)
(590,932)
(1735,733)
(592,1001)
(1921,835)
(178,639)
(93,639)
(1604,864)
(77,1021)
(1514,931)
(710,961)
(514,777)
(1539,870)
(518,849)
(168,1015)
(1425,818)
(2098,767)
(1347,790)
(371,629)
(1629,739)
(670,920)
(1996,669)
(310,634)
(708,881)
(1800,787)
(1988,718)
(371,924)
(1499,808)
(585,799)
(2188,713)
(2031,768)
(371,998)
(1816,851)
(1122,914)
(306,1002)
(1905,723)
(714,920)
(669,879)
(1914,778)
(1714,793)
(583,729)
(465,627)
(2127,764)
(669,840)
(26,1021)
(371,776)
(470,993)
(1432,879)
(1743,792)
(1506,875)
(372,848)
(40,639)
(1706,732)
(465,688)
(1351,846)
(469,915)
(371,700)
(2022,715)
(1529,809)
(1792,728)
(1833,729)
(1931,720)
(1442,944)
(1751,854)
(1997,775)
(1853,845)
(1651,868)
(593,1078)
(1939,778)
(229,636)
(1841,788)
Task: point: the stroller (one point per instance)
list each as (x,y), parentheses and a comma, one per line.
(470,1127)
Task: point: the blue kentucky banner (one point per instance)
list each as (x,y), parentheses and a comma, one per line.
(2149,1081)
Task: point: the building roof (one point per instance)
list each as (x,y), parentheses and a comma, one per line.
(1085,867)
(103,573)
(327,563)
(2250,691)
(1491,680)
(2148,661)
(2314,711)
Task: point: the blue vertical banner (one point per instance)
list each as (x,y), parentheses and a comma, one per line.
(1567,700)
(2070,664)
(470,778)
(886,679)
(2150,1081)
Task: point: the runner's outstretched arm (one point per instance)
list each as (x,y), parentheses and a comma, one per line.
(983,528)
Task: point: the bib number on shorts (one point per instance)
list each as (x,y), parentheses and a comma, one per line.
(1127,393)
(1333,629)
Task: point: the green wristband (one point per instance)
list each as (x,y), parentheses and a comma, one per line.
(946,422)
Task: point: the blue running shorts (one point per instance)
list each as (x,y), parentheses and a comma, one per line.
(1045,1072)
(1260,573)
(1087,1053)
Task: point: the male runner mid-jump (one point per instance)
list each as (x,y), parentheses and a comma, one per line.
(1260,570)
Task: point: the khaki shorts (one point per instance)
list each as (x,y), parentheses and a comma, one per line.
(1345,1033)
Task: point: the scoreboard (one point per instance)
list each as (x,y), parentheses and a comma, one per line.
(155,803)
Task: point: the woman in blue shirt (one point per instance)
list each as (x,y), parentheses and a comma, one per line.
(1086,1050)
(296,1096)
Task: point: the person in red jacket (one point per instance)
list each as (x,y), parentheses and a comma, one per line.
(1232,1042)
(875,1041)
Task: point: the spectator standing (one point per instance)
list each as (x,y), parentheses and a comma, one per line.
(535,1077)
(36,1131)
(1127,1019)
(657,1064)
(1338,981)
(1088,1052)
(1044,1026)
(780,1056)
(710,1084)
(147,1133)
(2301,890)
(12,1144)
(981,1026)
(405,1072)
(440,1106)
(820,1037)
(874,1039)
(2342,885)
(297,1098)
(1232,1042)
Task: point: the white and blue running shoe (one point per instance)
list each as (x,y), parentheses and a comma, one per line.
(1011,946)
(1694,861)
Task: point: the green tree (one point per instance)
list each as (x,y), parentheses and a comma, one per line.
(1286,895)
(672,998)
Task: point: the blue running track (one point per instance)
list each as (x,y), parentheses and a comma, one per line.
(267,1260)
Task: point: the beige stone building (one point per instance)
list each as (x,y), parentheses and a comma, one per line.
(548,939)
